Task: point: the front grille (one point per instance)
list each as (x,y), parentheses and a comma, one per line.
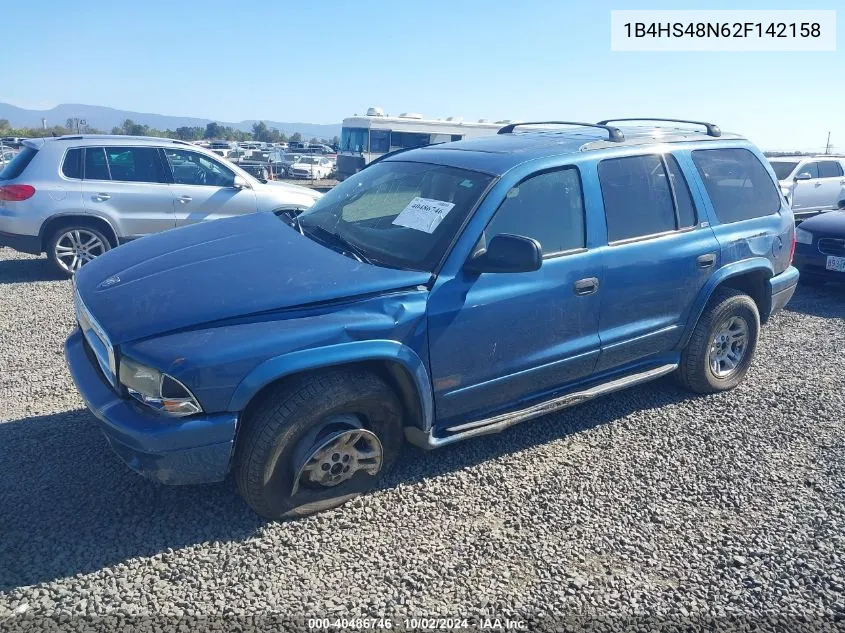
(832,246)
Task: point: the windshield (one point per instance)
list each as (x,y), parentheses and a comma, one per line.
(783,168)
(398,214)
(354,139)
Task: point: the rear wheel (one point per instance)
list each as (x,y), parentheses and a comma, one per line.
(722,345)
(71,247)
(317,441)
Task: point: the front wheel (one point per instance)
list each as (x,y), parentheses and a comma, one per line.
(71,247)
(722,345)
(317,441)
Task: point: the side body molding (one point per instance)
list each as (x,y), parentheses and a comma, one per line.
(343,353)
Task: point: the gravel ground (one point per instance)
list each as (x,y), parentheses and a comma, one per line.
(650,504)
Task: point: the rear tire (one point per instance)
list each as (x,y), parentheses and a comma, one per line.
(722,345)
(285,431)
(73,245)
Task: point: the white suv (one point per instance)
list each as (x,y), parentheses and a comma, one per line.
(811,184)
(75,197)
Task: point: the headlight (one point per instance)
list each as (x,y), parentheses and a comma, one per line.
(157,390)
(803,237)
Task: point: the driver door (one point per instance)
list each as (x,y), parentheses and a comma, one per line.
(203,188)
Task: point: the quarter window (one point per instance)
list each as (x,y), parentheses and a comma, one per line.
(637,198)
(739,187)
(96,167)
(829,169)
(190,168)
(134,164)
(548,207)
(72,165)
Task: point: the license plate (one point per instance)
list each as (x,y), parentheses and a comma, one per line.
(835,263)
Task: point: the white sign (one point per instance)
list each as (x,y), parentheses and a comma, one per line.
(423,214)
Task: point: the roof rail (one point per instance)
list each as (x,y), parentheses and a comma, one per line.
(613,133)
(712,129)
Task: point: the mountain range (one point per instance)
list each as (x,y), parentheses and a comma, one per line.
(104,118)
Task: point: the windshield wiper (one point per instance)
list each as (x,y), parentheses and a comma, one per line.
(341,242)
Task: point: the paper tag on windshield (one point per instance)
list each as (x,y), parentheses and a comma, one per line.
(423,214)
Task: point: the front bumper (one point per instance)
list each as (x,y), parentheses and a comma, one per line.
(21,243)
(190,450)
(814,266)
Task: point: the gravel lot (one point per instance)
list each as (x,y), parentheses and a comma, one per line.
(649,504)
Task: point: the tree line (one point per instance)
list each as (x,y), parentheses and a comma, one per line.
(260,132)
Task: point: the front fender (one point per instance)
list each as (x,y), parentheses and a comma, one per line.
(751,265)
(278,367)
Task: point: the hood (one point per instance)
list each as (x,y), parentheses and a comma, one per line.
(218,270)
(831,223)
(278,186)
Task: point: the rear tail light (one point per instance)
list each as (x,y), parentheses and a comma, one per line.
(16,193)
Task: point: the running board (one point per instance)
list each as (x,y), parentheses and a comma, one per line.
(503,421)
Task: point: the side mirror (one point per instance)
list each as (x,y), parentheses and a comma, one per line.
(239,183)
(506,254)
(804,175)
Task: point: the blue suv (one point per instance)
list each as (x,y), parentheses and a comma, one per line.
(440,294)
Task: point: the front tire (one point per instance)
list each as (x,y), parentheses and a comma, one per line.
(722,345)
(316,441)
(71,247)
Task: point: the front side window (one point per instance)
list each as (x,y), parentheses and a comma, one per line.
(810,168)
(548,207)
(829,169)
(396,214)
(407,140)
(352,139)
(190,168)
(740,188)
(96,167)
(637,198)
(134,164)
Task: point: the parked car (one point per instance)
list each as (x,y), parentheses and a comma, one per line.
(820,250)
(444,293)
(75,197)
(811,184)
(312,167)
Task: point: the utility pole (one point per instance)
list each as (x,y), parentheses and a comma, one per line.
(827,147)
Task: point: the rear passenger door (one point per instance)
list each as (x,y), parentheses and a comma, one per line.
(830,184)
(204,189)
(657,259)
(128,185)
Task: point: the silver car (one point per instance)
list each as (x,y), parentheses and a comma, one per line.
(75,197)
(811,184)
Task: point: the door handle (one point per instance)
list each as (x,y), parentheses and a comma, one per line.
(818,184)
(586,286)
(706,261)
(100,197)
(185,199)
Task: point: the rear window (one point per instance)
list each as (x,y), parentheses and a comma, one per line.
(739,187)
(15,167)
(72,165)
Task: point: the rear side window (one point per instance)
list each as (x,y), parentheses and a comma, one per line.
(637,198)
(739,187)
(548,207)
(829,169)
(72,165)
(134,164)
(95,164)
(15,167)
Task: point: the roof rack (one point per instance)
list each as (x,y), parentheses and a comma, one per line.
(712,129)
(613,133)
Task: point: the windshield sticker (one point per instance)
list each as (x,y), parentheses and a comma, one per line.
(423,214)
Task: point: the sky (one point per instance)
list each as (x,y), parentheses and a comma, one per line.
(321,61)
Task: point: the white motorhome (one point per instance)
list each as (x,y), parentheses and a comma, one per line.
(365,138)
